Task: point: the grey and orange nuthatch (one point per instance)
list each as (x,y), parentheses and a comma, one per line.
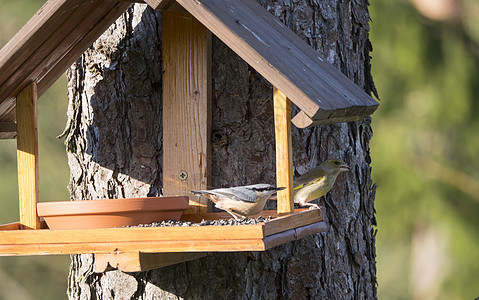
(317,182)
(244,201)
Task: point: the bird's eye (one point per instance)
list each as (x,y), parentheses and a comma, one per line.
(337,163)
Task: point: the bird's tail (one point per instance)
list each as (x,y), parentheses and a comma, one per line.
(197,193)
(209,195)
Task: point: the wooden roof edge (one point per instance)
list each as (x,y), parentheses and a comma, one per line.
(302,120)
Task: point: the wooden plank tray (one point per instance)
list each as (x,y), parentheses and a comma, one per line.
(263,236)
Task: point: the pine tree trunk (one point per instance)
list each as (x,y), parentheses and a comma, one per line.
(114,145)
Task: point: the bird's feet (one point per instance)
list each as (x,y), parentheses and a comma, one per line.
(237,217)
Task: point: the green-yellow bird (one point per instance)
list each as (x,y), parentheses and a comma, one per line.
(317,182)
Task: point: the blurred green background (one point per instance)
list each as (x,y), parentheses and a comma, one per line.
(425,144)
(425,147)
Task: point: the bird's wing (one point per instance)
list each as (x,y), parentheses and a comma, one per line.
(237,194)
(308,178)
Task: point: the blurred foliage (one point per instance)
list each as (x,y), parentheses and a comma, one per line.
(425,163)
(34,277)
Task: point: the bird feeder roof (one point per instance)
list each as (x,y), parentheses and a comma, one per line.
(63,29)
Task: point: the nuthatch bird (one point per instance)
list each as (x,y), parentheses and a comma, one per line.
(244,201)
(317,182)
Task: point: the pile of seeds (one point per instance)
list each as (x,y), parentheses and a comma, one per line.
(220,222)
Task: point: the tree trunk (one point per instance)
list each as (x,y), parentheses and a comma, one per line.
(114,144)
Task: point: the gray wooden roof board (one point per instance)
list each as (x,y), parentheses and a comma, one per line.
(268,61)
(267,35)
(43,49)
(315,61)
(50,52)
(33,35)
(317,64)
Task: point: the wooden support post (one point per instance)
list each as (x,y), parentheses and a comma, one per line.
(27,156)
(186,107)
(284,153)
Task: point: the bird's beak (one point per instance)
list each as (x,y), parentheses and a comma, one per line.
(344,168)
(279,188)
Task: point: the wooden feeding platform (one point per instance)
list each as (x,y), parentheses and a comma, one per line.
(177,243)
(59,33)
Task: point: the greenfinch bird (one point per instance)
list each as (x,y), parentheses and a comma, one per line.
(317,182)
(244,201)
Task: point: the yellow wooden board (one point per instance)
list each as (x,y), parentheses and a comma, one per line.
(27,156)
(186,107)
(284,151)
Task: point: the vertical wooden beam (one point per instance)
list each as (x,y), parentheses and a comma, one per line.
(284,153)
(186,107)
(27,156)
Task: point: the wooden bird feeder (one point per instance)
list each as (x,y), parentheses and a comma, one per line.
(63,29)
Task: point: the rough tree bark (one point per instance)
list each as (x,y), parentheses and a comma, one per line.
(114,145)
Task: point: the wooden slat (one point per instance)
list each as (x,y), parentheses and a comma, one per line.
(302,120)
(281,57)
(140,262)
(8,130)
(296,220)
(304,231)
(131,234)
(186,107)
(146,247)
(284,151)
(27,157)
(279,238)
(163,246)
(293,234)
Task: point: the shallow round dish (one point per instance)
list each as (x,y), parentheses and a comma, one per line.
(107,213)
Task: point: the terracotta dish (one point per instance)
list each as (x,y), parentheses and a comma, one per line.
(107,213)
